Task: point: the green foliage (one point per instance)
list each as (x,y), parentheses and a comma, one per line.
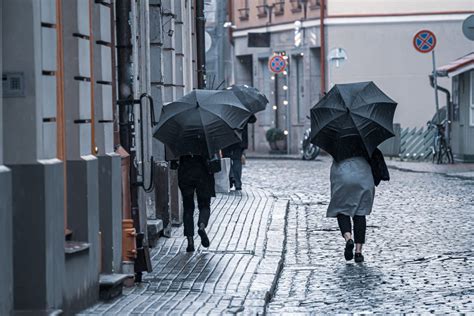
(274,134)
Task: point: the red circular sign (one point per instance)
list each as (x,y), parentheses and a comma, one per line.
(424,41)
(277,64)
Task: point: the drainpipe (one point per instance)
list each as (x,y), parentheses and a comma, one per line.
(133,247)
(323,46)
(449,108)
(200,43)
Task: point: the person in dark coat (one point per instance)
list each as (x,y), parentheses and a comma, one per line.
(353,182)
(235,153)
(194,175)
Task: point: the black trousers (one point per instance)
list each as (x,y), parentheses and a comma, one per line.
(204,206)
(360,226)
(194,177)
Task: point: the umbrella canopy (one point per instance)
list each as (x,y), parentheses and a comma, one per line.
(250,97)
(352,120)
(201,122)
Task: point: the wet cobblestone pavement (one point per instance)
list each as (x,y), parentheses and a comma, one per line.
(419,253)
(235,274)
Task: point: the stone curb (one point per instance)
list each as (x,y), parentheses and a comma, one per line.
(269,269)
(461,175)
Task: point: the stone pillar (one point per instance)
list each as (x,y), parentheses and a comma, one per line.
(29,125)
(110,177)
(81,287)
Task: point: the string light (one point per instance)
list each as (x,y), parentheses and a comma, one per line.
(285,87)
(285,132)
(285,73)
(272,77)
(285,102)
(275,107)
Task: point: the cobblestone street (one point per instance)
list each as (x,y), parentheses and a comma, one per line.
(419,253)
(237,273)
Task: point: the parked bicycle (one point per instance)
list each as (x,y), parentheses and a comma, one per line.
(441,151)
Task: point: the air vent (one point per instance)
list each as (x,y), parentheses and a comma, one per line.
(13,85)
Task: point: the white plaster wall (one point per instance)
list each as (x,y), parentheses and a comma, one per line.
(22,116)
(384,53)
(350,7)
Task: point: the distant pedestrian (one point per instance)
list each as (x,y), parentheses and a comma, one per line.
(353,182)
(235,152)
(195,176)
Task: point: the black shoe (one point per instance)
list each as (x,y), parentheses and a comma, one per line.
(359,257)
(204,239)
(348,254)
(190,247)
(238,189)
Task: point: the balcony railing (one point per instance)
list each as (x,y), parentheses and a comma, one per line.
(244,14)
(314,4)
(262,10)
(296,6)
(279,7)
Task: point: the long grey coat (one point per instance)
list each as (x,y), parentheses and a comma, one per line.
(352,188)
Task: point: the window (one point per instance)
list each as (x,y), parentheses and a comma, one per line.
(279,7)
(244,12)
(314,4)
(262,9)
(471,100)
(296,6)
(455,105)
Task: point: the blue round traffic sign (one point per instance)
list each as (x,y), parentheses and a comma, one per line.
(277,64)
(424,41)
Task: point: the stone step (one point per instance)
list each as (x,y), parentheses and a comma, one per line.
(111,285)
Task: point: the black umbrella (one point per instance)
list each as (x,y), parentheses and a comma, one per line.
(203,120)
(250,97)
(352,120)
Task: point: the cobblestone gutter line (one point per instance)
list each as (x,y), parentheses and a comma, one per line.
(264,283)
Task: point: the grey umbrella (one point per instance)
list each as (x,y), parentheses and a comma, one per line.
(250,97)
(202,122)
(352,120)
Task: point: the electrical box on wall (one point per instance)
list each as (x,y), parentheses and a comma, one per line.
(13,85)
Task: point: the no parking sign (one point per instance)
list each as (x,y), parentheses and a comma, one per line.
(277,64)
(424,41)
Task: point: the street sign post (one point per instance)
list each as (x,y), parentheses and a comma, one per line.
(424,42)
(277,64)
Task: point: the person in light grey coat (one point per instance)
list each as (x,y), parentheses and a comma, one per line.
(352,196)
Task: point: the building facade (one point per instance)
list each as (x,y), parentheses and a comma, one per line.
(461,111)
(78,192)
(342,42)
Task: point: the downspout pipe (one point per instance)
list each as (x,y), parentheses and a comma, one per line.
(449,107)
(323,46)
(200,43)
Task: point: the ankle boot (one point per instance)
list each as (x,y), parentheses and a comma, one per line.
(190,247)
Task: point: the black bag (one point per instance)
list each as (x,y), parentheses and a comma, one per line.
(214,164)
(379,167)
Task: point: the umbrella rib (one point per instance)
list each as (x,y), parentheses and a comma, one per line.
(205,134)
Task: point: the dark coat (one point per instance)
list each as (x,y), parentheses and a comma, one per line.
(194,175)
(379,167)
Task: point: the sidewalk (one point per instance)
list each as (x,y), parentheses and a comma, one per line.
(238,273)
(459,170)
